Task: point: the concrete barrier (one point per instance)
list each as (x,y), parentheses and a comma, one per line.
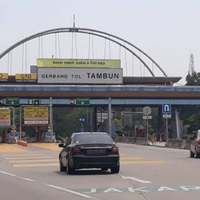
(22,143)
(131,140)
(178,144)
(171,143)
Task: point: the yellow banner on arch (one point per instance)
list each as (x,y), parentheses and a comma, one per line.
(87,63)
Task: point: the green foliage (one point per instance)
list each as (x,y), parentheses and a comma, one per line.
(66,120)
(193,79)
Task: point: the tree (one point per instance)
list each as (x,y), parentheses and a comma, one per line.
(193,79)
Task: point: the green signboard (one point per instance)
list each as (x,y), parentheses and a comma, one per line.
(12,101)
(82,102)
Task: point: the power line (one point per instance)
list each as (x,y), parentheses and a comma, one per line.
(105,50)
(109,49)
(42,45)
(92,47)
(125,59)
(8,67)
(11,62)
(59,45)
(89,47)
(26,58)
(23,58)
(140,65)
(38,47)
(132,65)
(56,45)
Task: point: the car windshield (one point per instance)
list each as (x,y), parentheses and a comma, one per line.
(93,138)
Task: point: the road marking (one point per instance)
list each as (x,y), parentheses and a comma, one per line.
(26,179)
(28,161)
(143,162)
(37,165)
(7,173)
(21,155)
(151,189)
(10,148)
(131,158)
(50,146)
(136,179)
(26,158)
(70,191)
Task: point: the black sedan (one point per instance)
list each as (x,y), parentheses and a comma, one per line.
(89,150)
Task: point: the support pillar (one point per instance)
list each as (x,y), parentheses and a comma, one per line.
(109,116)
(51,115)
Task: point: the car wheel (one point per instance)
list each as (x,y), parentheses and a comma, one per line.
(191,154)
(62,168)
(115,170)
(69,170)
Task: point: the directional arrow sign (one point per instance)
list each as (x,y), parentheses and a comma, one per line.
(82,102)
(166,108)
(12,101)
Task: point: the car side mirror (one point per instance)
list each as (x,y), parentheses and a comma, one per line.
(61,145)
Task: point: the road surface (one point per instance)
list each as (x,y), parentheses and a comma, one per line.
(147,173)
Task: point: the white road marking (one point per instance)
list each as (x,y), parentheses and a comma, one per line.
(136,179)
(7,173)
(26,179)
(70,191)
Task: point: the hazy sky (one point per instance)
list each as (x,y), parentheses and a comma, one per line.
(168,30)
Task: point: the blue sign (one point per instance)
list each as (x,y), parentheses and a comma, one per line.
(48,134)
(10,135)
(166,108)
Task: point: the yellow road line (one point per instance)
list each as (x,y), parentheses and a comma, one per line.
(131,158)
(37,165)
(10,148)
(26,158)
(143,162)
(21,155)
(50,146)
(28,161)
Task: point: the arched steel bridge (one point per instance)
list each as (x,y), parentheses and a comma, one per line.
(115,39)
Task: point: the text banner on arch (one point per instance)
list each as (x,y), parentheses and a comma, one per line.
(3,76)
(79,63)
(25,76)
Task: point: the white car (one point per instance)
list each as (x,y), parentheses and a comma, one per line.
(195,146)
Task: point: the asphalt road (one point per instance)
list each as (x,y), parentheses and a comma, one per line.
(151,173)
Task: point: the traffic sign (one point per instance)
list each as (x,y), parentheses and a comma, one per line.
(147,117)
(72,101)
(12,101)
(82,102)
(146,110)
(30,101)
(167,116)
(166,108)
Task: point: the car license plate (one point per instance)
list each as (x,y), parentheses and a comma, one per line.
(96,151)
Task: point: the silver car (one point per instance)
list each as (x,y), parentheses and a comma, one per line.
(195,146)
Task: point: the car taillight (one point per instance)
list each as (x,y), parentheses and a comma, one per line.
(76,151)
(199,142)
(115,150)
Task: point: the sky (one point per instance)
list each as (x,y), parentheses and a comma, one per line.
(167,30)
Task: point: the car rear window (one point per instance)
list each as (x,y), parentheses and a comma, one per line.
(92,138)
